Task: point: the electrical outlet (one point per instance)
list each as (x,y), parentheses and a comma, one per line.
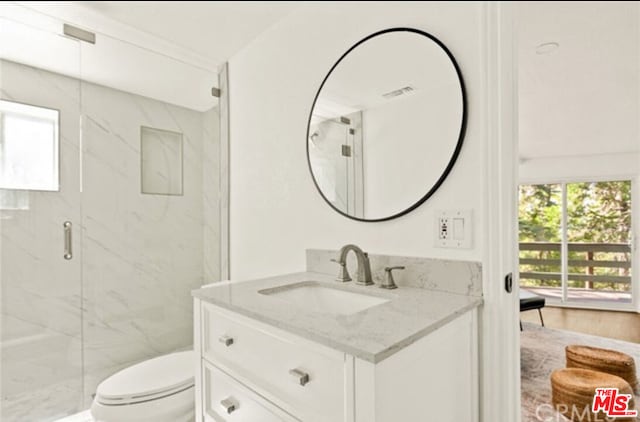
(443,228)
(453,228)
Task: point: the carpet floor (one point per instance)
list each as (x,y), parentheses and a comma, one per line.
(542,351)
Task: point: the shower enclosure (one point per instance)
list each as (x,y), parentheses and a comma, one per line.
(336,158)
(110,186)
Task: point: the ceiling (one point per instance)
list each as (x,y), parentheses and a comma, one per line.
(583,97)
(213,29)
(170,51)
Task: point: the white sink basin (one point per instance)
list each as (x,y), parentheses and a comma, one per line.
(321,298)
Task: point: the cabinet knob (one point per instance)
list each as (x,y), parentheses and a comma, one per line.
(301,376)
(229,405)
(226,340)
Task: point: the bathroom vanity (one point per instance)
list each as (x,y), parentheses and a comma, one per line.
(317,346)
(304,347)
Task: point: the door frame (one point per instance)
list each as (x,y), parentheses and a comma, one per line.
(500,336)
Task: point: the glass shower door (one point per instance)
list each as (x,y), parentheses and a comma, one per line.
(330,141)
(40,215)
(150,202)
(109,209)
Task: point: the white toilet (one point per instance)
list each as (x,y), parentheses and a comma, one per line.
(157,390)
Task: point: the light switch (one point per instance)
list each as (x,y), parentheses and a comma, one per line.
(458,228)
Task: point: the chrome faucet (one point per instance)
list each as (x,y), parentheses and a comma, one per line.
(364,267)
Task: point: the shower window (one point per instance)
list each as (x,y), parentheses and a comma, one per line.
(28,147)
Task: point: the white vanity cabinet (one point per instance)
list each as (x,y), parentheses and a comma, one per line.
(250,371)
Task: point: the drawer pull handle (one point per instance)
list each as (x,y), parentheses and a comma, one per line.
(229,405)
(301,376)
(226,340)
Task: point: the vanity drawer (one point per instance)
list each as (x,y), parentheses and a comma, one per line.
(276,364)
(221,392)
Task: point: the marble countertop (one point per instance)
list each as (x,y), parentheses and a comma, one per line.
(373,334)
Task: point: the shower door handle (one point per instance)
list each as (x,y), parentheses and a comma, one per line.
(68,240)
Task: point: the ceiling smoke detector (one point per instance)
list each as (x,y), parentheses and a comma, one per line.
(547,47)
(398,92)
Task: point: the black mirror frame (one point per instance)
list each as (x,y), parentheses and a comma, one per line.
(456,152)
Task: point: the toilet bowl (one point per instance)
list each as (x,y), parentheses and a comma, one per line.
(159,390)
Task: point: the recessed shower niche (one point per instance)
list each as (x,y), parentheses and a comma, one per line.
(160,161)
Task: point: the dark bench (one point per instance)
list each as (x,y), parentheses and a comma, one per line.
(529,301)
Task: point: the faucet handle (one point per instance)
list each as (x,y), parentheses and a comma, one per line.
(343,275)
(389,282)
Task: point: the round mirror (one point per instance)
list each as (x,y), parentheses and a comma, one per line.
(386,125)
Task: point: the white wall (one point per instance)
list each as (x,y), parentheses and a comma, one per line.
(275,208)
(276,212)
(580,168)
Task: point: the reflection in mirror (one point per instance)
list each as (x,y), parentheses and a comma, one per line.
(387,125)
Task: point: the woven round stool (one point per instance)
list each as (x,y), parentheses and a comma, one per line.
(603,360)
(572,392)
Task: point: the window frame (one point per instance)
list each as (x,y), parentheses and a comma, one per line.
(634,305)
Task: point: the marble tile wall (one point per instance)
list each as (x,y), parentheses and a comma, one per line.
(459,277)
(125,296)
